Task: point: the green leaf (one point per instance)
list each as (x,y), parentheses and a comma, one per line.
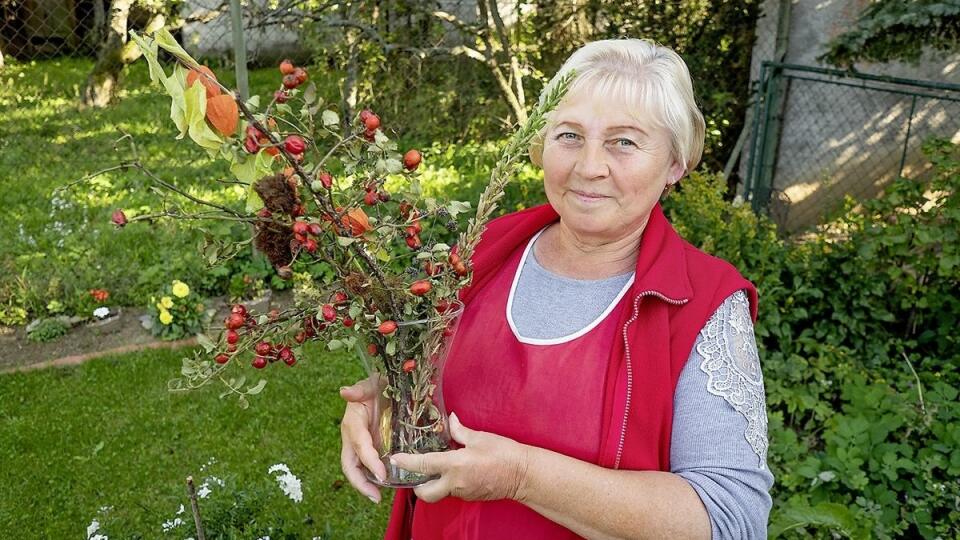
(205,342)
(168,43)
(195,99)
(329,118)
(310,94)
(391,347)
(441,247)
(253,103)
(456,208)
(254,390)
(345,241)
(394,166)
(334,344)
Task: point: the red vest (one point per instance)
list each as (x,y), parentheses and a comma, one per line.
(675,291)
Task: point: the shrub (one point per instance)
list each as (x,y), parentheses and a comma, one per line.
(48,330)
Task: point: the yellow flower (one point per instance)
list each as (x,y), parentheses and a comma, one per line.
(180,289)
(166,317)
(166,302)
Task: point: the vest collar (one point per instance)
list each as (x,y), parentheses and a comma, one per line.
(661,261)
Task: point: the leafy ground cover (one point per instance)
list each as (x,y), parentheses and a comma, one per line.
(109,434)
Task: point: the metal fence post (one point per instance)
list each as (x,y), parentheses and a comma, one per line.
(903,158)
(239,49)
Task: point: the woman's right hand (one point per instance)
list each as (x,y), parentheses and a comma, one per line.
(357,451)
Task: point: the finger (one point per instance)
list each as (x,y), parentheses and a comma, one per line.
(354,474)
(433,490)
(356,432)
(364,390)
(460,433)
(429,463)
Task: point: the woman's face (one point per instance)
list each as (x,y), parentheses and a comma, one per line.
(603,170)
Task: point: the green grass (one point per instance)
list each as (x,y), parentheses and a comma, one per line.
(55,479)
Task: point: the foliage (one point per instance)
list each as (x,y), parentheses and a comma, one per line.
(889,30)
(858,353)
(106,434)
(177,311)
(48,329)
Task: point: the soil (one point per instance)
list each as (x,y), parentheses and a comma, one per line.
(83,342)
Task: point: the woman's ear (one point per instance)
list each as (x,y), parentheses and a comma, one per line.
(677,170)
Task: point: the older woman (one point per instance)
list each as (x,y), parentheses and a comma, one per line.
(604,381)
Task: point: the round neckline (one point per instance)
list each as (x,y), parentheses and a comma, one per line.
(569,337)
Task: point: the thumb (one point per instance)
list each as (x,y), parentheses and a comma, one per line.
(364,390)
(458,431)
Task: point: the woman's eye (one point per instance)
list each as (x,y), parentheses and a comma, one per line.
(567,136)
(625,143)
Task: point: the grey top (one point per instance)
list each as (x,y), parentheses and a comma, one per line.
(719,438)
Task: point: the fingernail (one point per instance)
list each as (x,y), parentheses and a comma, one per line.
(372,499)
(342,388)
(379,476)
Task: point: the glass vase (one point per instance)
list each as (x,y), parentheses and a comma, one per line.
(409,416)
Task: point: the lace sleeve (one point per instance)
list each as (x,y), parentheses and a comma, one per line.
(730,360)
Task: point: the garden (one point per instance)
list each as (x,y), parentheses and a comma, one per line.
(102,300)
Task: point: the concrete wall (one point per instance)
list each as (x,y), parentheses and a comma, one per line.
(838,140)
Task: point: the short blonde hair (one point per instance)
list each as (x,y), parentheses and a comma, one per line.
(652,77)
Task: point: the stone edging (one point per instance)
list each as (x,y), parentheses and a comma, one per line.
(78,359)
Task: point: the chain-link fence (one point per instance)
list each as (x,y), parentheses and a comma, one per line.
(34,29)
(821,134)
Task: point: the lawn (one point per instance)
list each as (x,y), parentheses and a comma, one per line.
(109,433)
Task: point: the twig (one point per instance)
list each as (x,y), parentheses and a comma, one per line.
(195,508)
(919,386)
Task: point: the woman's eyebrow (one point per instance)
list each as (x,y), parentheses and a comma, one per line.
(609,129)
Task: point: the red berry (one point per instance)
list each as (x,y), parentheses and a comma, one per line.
(222,358)
(251,145)
(387,327)
(232,336)
(372,122)
(372,349)
(294,144)
(447,331)
(405,208)
(329,312)
(286,354)
(370,135)
(281,96)
(421,287)
(340,297)
(300,74)
(348,322)
(118,218)
(411,160)
(286,67)
(264,213)
(364,114)
(234,321)
(231,348)
(413,242)
(300,337)
(259,362)
(315,229)
(297,210)
(371,198)
(310,245)
(301,227)
(384,196)
(264,348)
(443,305)
(409,365)
(301,238)
(274,314)
(290,81)
(431,268)
(326,180)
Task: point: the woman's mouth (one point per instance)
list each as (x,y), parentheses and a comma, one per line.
(588,197)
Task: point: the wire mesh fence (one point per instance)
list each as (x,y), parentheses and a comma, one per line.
(820,135)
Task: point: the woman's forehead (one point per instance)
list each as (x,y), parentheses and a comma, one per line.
(588,110)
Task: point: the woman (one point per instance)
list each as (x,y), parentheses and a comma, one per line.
(604,382)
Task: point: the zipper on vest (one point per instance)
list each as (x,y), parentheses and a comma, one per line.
(626,348)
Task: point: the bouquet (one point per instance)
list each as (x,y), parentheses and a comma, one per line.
(317,194)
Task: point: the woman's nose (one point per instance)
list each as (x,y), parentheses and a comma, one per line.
(592,161)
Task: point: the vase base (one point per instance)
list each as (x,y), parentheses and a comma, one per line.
(399,478)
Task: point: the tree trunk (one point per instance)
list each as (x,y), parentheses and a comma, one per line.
(103,80)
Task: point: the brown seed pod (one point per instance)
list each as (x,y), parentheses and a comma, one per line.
(276,193)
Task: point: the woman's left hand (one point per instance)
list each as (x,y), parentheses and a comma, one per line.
(488,467)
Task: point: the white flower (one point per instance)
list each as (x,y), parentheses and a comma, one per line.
(101,312)
(203,491)
(172,524)
(180,511)
(289,483)
(92,528)
(264,538)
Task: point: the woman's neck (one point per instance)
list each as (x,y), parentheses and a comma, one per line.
(563,252)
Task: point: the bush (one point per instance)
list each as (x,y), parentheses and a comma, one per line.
(48,330)
(858,353)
